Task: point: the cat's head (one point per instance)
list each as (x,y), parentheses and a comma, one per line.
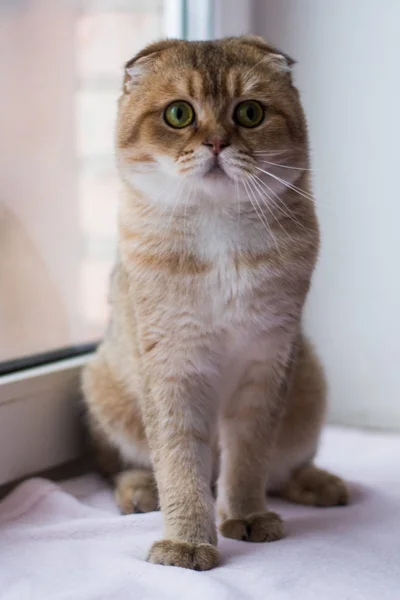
(208,116)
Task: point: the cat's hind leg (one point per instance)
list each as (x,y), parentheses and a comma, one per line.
(312,486)
(294,476)
(117,442)
(136,491)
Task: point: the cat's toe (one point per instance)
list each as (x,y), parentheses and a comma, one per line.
(332,492)
(136,492)
(176,553)
(257,527)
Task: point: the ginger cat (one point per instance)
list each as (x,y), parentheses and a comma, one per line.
(204,376)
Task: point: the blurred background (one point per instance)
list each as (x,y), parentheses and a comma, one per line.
(60,76)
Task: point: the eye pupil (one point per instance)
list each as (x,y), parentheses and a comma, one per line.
(179,113)
(250,113)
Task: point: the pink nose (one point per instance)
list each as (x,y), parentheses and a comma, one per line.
(217,144)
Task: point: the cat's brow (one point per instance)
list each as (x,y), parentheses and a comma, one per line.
(193,84)
(234,81)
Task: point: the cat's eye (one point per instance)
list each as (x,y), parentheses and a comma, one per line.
(179,114)
(249,113)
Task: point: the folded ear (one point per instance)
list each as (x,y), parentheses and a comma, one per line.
(140,63)
(281,61)
(134,70)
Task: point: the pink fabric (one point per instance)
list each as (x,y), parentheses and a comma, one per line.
(68,542)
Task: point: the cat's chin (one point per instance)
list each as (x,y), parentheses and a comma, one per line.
(216,173)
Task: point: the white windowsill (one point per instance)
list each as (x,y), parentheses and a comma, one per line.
(39,418)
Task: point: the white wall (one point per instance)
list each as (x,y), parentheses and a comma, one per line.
(349,76)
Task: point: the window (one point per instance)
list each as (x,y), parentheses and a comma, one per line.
(60,76)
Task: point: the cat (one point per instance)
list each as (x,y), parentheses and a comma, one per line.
(204,378)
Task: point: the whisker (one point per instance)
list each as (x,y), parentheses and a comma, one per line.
(262,198)
(255,209)
(184,217)
(238,202)
(285,231)
(297,190)
(287,167)
(280,205)
(289,185)
(280,151)
(263,219)
(270,152)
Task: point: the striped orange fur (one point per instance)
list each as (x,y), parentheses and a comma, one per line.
(204,377)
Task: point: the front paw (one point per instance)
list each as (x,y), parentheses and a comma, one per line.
(176,553)
(257,527)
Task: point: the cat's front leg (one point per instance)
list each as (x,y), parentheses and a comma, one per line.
(179,411)
(248,431)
